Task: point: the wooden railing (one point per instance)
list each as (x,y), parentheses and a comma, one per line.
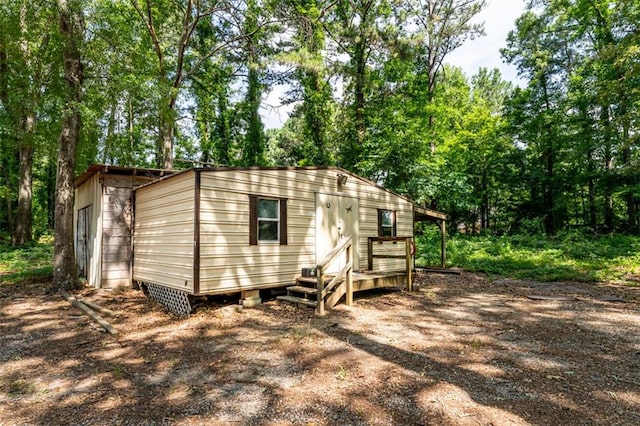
(342,282)
(408,255)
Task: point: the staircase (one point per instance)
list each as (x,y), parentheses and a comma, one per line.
(324,290)
(305,292)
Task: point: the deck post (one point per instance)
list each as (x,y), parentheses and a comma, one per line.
(370,254)
(407,245)
(443,243)
(320,289)
(349,277)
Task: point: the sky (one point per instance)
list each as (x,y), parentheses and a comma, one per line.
(499,18)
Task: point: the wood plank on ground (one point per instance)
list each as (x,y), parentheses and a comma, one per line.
(90,312)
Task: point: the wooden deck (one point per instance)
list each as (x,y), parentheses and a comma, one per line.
(305,291)
(367,280)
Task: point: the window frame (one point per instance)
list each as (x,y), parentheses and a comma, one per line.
(393,226)
(254,221)
(269,219)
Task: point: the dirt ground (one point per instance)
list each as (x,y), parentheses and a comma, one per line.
(461,350)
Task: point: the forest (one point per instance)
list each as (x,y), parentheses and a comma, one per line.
(178,83)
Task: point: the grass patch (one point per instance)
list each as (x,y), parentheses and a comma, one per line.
(23,387)
(29,263)
(566,257)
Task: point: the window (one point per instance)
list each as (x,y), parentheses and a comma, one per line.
(268,220)
(386,223)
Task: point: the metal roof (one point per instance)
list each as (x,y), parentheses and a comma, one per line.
(119,170)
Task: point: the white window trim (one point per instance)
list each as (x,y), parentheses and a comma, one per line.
(269,219)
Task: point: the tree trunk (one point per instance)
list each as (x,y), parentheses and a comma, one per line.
(51,194)
(223,132)
(24,218)
(549,199)
(484,208)
(592,192)
(549,161)
(630,200)
(108,155)
(25,126)
(608,164)
(165,140)
(359,92)
(254,145)
(65,275)
(359,58)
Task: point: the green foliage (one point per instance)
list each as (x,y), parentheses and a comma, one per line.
(570,256)
(574,119)
(30,262)
(372,92)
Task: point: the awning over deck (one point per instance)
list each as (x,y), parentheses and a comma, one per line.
(423,214)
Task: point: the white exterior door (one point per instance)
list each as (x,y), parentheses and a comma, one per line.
(336,218)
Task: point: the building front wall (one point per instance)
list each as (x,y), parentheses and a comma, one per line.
(229,263)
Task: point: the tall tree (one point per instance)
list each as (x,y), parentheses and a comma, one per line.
(26,65)
(538,52)
(171,30)
(254,143)
(72,30)
(611,29)
(306,17)
(442,26)
(355,28)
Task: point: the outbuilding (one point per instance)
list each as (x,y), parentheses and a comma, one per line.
(102,222)
(207,231)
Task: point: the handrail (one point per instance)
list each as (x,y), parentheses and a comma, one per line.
(335,280)
(407,255)
(346,246)
(330,257)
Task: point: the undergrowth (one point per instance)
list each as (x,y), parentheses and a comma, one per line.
(565,257)
(28,263)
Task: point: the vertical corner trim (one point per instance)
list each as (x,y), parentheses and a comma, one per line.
(395,223)
(196,233)
(253,220)
(284,240)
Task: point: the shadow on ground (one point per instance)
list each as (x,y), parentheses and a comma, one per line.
(461,350)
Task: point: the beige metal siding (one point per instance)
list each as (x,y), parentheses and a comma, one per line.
(163,234)
(228,263)
(373,198)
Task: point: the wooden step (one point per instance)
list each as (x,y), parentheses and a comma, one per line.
(302,289)
(293,299)
(307,280)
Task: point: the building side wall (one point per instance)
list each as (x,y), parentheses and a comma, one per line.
(163,248)
(228,263)
(88,194)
